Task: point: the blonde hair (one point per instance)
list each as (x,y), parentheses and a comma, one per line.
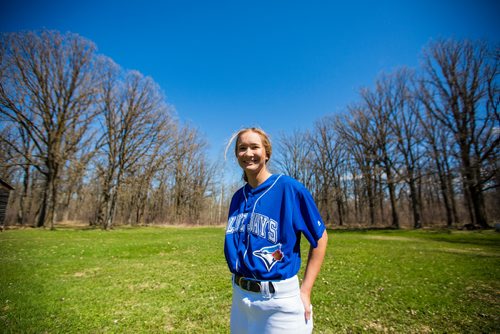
(266,142)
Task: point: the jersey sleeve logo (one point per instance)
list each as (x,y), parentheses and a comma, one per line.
(270,255)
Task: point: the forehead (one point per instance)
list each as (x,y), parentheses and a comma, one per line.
(249,137)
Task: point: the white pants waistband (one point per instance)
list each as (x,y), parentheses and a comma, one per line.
(284,288)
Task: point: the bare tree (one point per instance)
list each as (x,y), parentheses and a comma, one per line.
(360,146)
(460,90)
(191,175)
(327,162)
(13,165)
(408,134)
(383,104)
(47,88)
(439,149)
(139,180)
(294,156)
(134,117)
(159,192)
(72,177)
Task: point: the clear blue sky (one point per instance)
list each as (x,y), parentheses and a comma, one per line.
(278,64)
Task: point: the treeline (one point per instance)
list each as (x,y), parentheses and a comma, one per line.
(419,148)
(82,139)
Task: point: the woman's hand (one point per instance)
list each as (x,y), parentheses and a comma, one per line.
(306,300)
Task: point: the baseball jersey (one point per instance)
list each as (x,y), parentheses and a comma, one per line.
(265,225)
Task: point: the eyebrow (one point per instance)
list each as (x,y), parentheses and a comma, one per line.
(249,144)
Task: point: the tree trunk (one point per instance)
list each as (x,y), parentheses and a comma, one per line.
(392,197)
(24,206)
(42,212)
(415,205)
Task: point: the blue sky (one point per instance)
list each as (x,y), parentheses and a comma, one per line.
(278,64)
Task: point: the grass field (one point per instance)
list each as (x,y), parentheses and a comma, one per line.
(162,280)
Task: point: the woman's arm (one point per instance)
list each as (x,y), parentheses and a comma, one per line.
(314,261)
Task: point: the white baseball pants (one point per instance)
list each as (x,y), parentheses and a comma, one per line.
(266,313)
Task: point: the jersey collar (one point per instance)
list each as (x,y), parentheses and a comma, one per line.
(262,187)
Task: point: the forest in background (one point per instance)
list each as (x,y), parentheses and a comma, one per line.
(83,139)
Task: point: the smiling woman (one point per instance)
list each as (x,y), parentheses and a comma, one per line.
(262,246)
(253,150)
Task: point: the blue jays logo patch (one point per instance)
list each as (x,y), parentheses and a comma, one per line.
(269,255)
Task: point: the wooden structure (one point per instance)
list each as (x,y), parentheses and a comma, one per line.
(5,190)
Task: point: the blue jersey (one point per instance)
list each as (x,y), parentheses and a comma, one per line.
(265,225)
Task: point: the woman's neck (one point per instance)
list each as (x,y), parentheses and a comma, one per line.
(257,179)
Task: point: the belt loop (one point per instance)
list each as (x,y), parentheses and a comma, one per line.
(265,290)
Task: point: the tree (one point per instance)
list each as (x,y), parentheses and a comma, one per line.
(382,105)
(13,165)
(191,175)
(439,149)
(134,122)
(408,135)
(294,156)
(327,161)
(460,91)
(360,147)
(139,180)
(47,88)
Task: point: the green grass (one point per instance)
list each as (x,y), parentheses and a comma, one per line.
(162,280)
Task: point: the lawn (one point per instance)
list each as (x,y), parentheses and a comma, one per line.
(175,280)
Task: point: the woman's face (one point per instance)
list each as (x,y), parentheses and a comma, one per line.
(251,153)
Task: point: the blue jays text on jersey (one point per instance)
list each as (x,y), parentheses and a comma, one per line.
(265,225)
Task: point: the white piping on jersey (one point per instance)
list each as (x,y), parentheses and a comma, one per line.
(265,192)
(253,210)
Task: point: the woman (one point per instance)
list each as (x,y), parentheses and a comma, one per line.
(262,246)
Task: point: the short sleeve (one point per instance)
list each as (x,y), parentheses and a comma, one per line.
(307,217)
